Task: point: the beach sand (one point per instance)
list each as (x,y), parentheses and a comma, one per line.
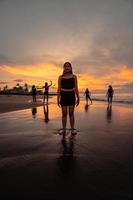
(17,102)
(96,164)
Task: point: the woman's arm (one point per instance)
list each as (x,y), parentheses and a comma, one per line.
(39,87)
(76,90)
(58,90)
(50,84)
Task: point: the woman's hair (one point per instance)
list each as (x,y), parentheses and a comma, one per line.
(110,86)
(67,63)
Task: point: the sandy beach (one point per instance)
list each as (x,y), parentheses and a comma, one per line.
(36,163)
(10,103)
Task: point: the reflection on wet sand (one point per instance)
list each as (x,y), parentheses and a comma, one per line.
(87,107)
(34,112)
(109,113)
(67,159)
(46,113)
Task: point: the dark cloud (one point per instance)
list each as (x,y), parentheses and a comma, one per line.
(101,31)
(31,60)
(109,51)
(4,60)
(19,80)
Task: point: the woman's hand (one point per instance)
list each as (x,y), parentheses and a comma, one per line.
(58,102)
(77,102)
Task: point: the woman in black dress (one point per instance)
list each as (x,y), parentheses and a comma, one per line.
(109,94)
(67,93)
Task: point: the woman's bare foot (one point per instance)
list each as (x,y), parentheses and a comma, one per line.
(62,131)
(73,132)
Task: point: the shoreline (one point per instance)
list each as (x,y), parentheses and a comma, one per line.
(16,102)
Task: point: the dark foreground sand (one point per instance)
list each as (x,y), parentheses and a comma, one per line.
(35,163)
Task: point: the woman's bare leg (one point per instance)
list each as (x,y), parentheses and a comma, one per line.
(64,116)
(71,117)
(47,99)
(90,100)
(43,99)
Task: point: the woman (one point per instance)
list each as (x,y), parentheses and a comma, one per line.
(46,91)
(87,95)
(67,90)
(109,94)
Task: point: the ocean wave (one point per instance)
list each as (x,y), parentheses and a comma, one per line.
(116,101)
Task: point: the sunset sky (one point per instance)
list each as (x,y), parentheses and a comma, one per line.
(38,36)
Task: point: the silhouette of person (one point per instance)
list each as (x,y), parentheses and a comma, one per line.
(46,113)
(66,96)
(46,91)
(109,94)
(34,92)
(87,95)
(34,111)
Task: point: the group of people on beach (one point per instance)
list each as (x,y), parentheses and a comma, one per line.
(68,96)
(46,91)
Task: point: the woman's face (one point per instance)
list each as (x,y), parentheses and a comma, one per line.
(67,68)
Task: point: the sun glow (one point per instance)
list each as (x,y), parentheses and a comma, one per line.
(39,73)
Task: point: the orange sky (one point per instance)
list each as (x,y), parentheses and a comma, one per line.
(45,72)
(95,36)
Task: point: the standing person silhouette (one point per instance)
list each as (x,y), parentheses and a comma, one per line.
(87,95)
(34,92)
(67,96)
(109,94)
(46,91)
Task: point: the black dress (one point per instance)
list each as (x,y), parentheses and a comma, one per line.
(67,91)
(110,93)
(46,90)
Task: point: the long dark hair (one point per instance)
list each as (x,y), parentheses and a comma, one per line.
(67,63)
(110,87)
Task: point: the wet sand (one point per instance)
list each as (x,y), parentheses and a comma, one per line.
(36,163)
(10,103)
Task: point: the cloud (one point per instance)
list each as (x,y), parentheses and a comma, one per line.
(128,86)
(4,82)
(31,60)
(19,80)
(4,60)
